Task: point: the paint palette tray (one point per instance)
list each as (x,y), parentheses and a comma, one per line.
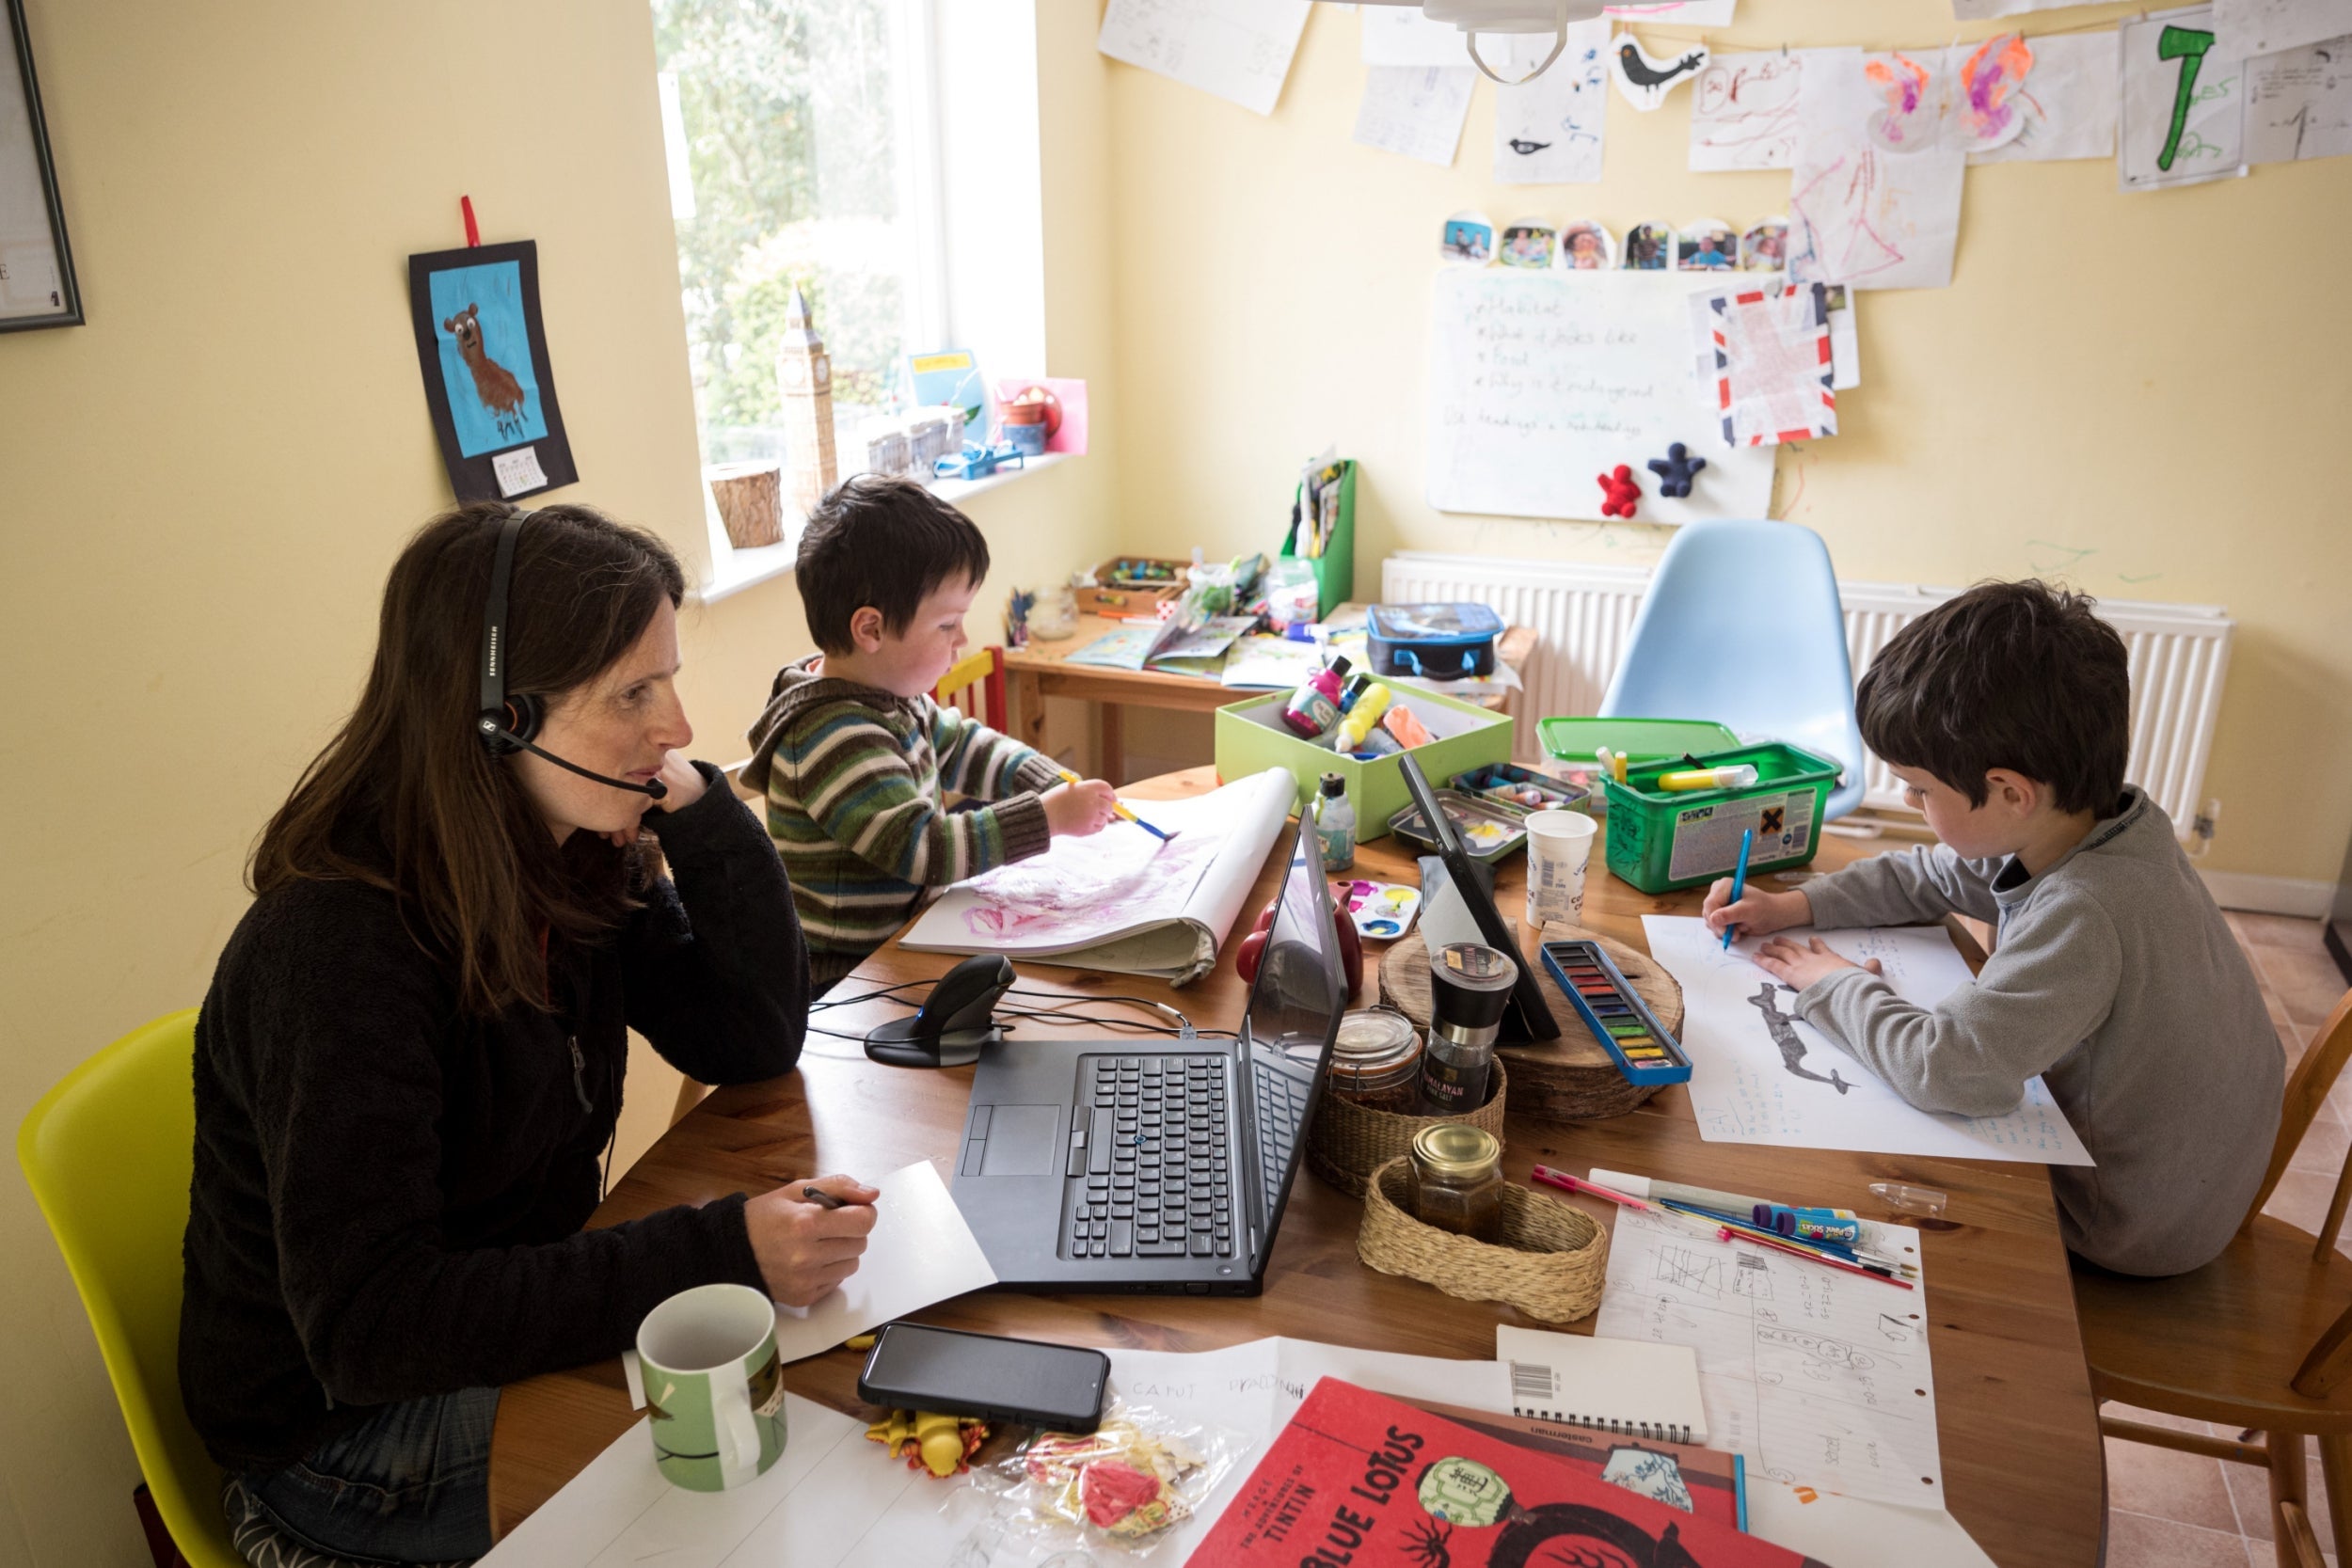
(1488,828)
(1382,911)
(1644,1051)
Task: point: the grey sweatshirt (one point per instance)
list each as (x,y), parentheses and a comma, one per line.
(2116,978)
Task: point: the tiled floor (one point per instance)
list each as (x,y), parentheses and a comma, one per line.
(2169,1510)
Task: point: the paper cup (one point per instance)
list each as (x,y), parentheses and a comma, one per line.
(1559,842)
(708,1359)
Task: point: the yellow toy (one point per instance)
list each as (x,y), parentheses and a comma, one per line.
(944,1445)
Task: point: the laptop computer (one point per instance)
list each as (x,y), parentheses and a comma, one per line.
(1158,1163)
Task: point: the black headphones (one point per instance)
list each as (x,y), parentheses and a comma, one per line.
(508,723)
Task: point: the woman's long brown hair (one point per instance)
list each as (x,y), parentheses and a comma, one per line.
(405,797)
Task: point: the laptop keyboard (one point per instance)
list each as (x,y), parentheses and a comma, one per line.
(1149,1156)
(1281,1114)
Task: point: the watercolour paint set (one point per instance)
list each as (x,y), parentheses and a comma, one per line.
(1645,1051)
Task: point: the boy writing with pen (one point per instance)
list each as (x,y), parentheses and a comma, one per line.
(2005,713)
(854,755)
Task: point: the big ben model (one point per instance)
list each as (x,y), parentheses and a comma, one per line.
(805,372)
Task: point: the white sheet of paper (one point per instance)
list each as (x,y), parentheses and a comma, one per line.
(2211,143)
(1635,1387)
(1401,35)
(1820,1378)
(1549,131)
(2069,100)
(1845,344)
(1854,1532)
(1680,13)
(1747,1087)
(1539,381)
(1415,110)
(1239,50)
(1859,214)
(1979,11)
(2298,104)
(2243,29)
(920,1252)
(1743,111)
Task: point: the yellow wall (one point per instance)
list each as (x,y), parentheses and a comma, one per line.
(201,490)
(2131,392)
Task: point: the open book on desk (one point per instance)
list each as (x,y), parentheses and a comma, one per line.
(1121,900)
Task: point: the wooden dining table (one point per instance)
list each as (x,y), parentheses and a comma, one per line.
(2023,1464)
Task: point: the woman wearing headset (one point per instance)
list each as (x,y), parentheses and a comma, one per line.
(411,1056)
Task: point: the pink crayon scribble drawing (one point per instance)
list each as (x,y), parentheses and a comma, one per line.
(1840,211)
(1913,117)
(1744,112)
(1050,899)
(1993,99)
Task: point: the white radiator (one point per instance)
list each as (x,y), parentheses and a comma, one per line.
(1584,613)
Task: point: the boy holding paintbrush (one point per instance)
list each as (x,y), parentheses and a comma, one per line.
(2005,714)
(854,757)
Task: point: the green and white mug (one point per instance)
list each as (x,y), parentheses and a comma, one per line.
(707,1357)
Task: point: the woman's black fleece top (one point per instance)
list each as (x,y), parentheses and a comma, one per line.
(389,1190)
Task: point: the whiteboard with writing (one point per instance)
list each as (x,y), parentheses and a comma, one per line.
(1540,381)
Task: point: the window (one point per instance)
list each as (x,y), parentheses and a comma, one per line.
(803,153)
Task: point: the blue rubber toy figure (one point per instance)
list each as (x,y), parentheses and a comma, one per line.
(1676,469)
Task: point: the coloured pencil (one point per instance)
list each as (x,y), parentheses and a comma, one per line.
(1740,878)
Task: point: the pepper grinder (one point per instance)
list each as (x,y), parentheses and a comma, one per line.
(1470,985)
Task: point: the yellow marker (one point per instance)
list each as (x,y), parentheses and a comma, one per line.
(1738,776)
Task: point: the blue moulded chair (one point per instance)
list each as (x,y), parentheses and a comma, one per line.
(1741,625)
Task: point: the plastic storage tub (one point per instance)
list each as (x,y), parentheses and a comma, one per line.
(1640,739)
(1662,840)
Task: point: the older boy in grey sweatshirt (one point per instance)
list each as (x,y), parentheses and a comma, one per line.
(2004,712)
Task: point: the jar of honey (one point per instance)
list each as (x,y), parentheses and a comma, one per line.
(1457,1179)
(1376,1061)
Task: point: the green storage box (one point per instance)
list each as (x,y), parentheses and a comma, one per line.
(1660,840)
(1251,738)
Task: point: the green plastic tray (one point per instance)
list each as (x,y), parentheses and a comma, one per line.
(1662,840)
(1640,739)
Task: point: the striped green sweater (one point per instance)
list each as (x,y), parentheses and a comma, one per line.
(855,779)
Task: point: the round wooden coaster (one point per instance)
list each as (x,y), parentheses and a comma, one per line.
(1569,1079)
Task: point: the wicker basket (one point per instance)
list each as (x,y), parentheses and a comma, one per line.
(1348,1142)
(1551,1263)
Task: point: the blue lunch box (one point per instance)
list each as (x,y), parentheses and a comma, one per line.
(1439,641)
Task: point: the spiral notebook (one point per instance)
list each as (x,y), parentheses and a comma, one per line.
(1628,1386)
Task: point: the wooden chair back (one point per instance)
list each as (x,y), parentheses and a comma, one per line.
(979,674)
(2330,1359)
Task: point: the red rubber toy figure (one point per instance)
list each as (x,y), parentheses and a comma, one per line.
(1620,492)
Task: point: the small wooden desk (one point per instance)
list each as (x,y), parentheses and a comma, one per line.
(2021,1448)
(1043,669)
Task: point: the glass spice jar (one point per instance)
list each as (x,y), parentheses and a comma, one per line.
(1376,1061)
(1457,1179)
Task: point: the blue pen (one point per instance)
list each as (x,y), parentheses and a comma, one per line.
(1740,878)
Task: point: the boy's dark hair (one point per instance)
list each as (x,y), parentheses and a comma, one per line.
(881,542)
(2018,675)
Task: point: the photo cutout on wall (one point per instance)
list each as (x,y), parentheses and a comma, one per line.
(1708,245)
(1468,240)
(482,349)
(1650,247)
(1586,247)
(1527,244)
(1765,248)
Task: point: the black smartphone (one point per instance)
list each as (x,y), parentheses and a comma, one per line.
(1059,1388)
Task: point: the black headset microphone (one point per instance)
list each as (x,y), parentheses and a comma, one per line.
(508,723)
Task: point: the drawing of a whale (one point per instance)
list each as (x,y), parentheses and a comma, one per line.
(1784,1034)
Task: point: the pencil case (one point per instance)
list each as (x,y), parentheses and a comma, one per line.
(1439,642)
(1644,1049)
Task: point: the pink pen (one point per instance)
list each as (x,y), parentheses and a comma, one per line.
(1561,1179)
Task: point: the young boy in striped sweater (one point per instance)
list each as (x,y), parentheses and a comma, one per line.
(854,755)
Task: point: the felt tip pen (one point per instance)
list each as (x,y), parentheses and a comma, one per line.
(1839,1251)
(1566,1182)
(822,1198)
(1740,880)
(1727,1234)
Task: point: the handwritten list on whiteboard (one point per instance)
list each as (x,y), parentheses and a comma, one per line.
(1541,382)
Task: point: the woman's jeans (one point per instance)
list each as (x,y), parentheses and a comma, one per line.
(410,1484)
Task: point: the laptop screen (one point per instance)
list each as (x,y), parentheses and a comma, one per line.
(1295,998)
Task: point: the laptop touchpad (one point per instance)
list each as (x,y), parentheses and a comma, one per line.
(1021,1140)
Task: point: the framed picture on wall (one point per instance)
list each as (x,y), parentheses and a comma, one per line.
(36,268)
(484,351)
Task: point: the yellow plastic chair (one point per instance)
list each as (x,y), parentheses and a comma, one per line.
(109,1152)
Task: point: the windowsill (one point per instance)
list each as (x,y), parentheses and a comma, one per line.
(732,570)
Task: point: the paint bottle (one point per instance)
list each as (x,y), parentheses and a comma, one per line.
(1359,720)
(1335,824)
(1314,707)
(1358,684)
